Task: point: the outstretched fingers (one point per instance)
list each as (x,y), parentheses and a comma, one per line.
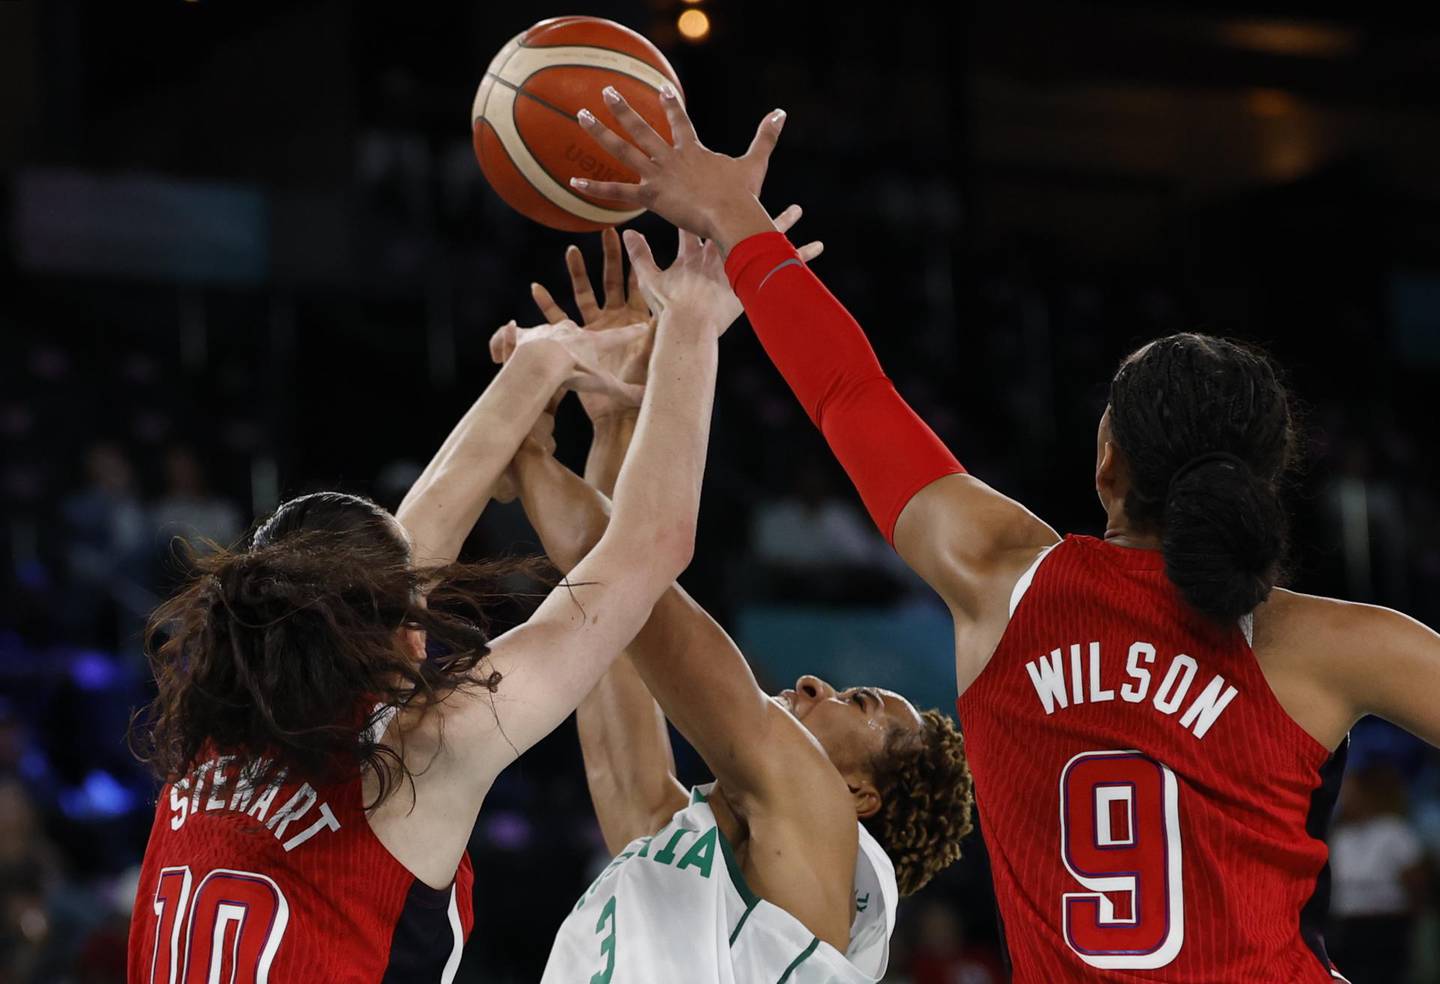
(690,245)
(640,256)
(644,135)
(766,136)
(617,147)
(549,310)
(614,191)
(786,219)
(613,275)
(682,131)
(580,284)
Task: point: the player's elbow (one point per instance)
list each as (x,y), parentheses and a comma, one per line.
(673,548)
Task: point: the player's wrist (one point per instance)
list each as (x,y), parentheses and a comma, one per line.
(614,422)
(737,219)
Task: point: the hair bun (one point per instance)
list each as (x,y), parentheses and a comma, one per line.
(1223,535)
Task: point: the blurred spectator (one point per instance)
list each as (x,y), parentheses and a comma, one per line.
(104,533)
(944,955)
(29,874)
(815,546)
(188,508)
(1376,860)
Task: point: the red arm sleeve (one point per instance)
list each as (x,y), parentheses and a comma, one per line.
(888,452)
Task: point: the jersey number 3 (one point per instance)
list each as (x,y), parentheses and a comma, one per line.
(226,930)
(1120,839)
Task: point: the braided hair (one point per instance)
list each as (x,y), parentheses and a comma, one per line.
(1207,429)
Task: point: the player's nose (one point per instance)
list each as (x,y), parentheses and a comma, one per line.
(814,687)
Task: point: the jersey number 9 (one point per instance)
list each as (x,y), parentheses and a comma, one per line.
(1120,839)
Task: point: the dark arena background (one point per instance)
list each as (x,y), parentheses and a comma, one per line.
(248,253)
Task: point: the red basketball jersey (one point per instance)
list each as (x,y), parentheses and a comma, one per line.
(1151,812)
(284,883)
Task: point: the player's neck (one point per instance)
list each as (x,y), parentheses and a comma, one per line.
(1133,540)
(1123,533)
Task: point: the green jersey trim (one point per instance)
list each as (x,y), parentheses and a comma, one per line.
(743,916)
(814,943)
(737,877)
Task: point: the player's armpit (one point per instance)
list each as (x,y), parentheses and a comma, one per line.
(757,750)
(969,542)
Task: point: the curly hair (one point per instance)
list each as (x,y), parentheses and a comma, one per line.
(926,795)
(287,652)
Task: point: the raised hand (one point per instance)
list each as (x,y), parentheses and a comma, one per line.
(711,195)
(694,283)
(624,305)
(588,351)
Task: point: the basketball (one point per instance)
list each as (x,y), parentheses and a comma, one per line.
(523,122)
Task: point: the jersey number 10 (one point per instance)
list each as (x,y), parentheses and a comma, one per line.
(1120,838)
(228,931)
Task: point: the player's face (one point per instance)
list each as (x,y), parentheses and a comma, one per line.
(851,725)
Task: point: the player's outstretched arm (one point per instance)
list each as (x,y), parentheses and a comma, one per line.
(442,506)
(772,771)
(629,765)
(968,541)
(553,660)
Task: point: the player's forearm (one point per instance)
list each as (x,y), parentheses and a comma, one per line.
(629,765)
(888,452)
(608,444)
(657,493)
(442,506)
(567,514)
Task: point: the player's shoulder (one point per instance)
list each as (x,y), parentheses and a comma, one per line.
(1290,621)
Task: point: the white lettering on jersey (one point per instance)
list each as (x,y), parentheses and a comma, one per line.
(185,798)
(217,782)
(179,803)
(295,808)
(1207,707)
(1085,682)
(1098,694)
(262,805)
(1171,692)
(327,820)
(1077,688)
(1133,668)
(1049,681)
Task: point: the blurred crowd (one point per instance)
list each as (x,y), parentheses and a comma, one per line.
(90,550)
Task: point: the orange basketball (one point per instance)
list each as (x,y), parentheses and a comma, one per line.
(526,137)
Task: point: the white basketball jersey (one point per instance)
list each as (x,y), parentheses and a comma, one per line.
(675,908)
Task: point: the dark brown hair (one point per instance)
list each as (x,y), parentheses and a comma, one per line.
(1208,431)
(926,799)
(288,652)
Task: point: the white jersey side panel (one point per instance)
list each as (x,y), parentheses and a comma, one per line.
(675,907)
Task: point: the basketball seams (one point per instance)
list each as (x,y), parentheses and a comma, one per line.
(623,215)
(530,95)
(540,161)
(505,154)
(558,56)
(503,147)
(530,168)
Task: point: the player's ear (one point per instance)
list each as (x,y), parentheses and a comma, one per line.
(866,797)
